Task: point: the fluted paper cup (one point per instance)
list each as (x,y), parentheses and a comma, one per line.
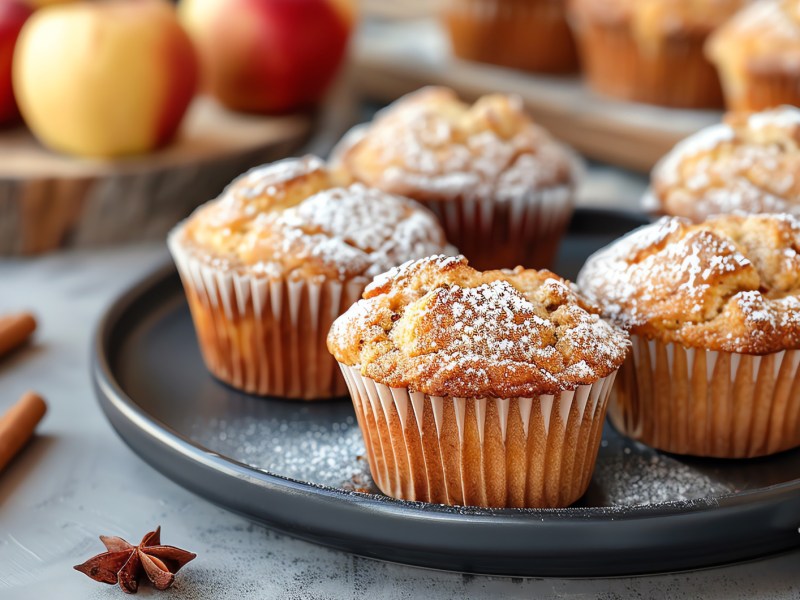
(493,452)
(532,35)
(706,403)
(676,73)
(762,90)
(266,334)
(523,230)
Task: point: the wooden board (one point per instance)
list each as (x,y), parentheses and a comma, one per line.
(49,200)
(396,57)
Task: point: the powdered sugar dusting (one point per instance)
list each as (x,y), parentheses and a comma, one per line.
(631,474)
(287,217)
(749,163)
(430,143)
(356,229)
(397,274)
(729,284)
(704,140)
(266,179)
(456,331)
(785,117)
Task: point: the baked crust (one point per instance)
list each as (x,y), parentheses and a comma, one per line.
(430,146)
(289,218)
(750,162)
(440,327)
(731,284)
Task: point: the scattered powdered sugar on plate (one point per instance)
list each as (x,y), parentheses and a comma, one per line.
(319,452)
(331,453)
(631,474)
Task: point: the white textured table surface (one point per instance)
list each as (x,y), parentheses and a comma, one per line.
(77,479)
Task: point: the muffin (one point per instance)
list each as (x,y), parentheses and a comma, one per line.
(651,50)
(747,163)
(757,54)
(478,388)
(532,35)
(501,186)
(276,258)
(714,315)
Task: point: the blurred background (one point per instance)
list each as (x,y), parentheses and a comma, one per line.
(121,116)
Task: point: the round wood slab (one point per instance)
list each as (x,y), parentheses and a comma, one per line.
(49,200)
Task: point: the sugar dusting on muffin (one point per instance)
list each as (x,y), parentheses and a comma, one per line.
(288,217)
(730,284)
(431,143)
(750,162)
(442,328)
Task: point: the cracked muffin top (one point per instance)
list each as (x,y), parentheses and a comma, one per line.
(289,218)
(730,284)
(750,162)
(429,145)
(442,328)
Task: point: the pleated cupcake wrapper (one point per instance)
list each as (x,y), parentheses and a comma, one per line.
(617,65)
(517,452)
(706,403)
(522,34)
(763,90)
(523,230)
(266,334)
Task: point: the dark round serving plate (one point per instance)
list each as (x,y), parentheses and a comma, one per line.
(296,466)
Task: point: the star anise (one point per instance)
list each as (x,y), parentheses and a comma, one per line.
(124,562)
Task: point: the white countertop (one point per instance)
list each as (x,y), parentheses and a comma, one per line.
(77,480)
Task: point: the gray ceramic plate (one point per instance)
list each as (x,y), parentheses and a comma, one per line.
(297,466)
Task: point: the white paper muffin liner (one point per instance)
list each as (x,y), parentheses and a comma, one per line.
(522,230)
(493,452)
(266,334)
(493,233)
(707,403)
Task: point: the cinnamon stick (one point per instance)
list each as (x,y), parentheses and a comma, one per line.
(17,425)
(14,330)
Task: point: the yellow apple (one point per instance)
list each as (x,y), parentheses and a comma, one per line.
(104,78)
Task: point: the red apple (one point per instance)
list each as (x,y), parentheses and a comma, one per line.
(268,55)
(105,78)
(13,14)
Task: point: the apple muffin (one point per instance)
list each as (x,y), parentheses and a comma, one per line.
(532,35)
(714,315)
(651,50)
(276,258)
(757,54)
(502,187)
(478,388)
(748,163)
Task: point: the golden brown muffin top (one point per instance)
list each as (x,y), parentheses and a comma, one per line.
(288,218)
(440,327)
(750,162)
(764,36)
(652,20)
(730,284)
(429,145)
